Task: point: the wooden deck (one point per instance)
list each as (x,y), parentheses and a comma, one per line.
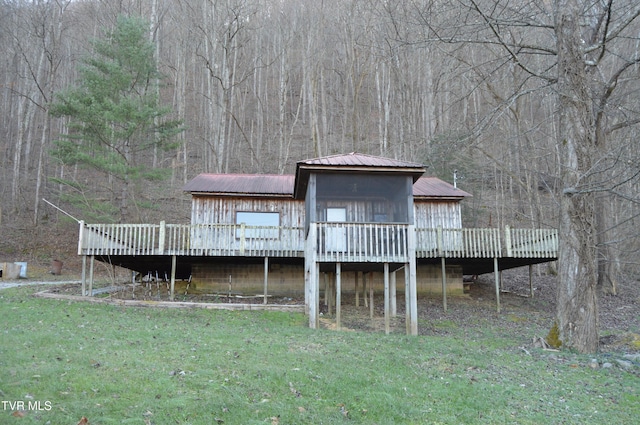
(335,242)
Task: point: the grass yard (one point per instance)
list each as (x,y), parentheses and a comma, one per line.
(113,365)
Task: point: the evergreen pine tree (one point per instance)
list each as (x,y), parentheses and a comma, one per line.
(116,120)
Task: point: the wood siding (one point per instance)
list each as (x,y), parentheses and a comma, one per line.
(434,214)
(222,210)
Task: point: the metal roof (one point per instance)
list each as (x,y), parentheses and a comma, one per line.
(351,162)
(272,185)
(242,184)
(359,160)
(434,188)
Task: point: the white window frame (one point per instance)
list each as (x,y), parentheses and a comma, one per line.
(261,219)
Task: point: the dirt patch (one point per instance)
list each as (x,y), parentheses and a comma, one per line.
(520,313)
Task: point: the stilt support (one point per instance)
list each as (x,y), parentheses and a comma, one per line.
(338,294)
(387,301)
(266,277)
(407,299)
(496,272)
(444,283)
(392,289)
(172,288)
(84,275)
(91,263)
(531,280)
(356,289)
(370,279)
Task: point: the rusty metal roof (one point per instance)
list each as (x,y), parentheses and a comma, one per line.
(272,185)
(351,162)
(433,188)
(242,184)
(360,160)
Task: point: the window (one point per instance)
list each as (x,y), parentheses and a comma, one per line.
(262,225)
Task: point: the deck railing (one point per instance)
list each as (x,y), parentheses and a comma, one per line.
(486,243)
(532,243)
(184,239)
(362,242)
(356,242)
(243,240)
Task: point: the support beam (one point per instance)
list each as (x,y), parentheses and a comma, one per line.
(311,277)
(443,269)
(387,301)
(370,295)
(172,288)
(356,290)
(411,246)
(531,280)
(317,296)
(84,275)
(393,290)
(364,289)
(407,301)
(91,264)
(328,292)
(312,293)
(266,278)
(338,294)
(496,272)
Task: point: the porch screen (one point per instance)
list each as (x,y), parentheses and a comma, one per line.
(367,197)
(259,225)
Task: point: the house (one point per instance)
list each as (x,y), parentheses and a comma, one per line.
(341,225)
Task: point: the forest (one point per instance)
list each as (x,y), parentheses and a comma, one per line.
(532,104)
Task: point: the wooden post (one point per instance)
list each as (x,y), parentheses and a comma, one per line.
(371,294)
(266,277)
(80,237)
(393,289)
(161,237)
(413,290)
(311,294)
(443,269)
(440,241)
(531,280)
(312,271)
(90,292)
(84,275)
(338,294)
(496,272)
(364,289)
(328,292)
(387,301)
(507,241)
(242,238)
(407,302)
(172,289)
(356,286)
(317,295)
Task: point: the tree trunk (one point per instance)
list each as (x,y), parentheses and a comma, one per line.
(577,307)
(608,259)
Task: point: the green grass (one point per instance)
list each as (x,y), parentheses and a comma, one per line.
(117,365)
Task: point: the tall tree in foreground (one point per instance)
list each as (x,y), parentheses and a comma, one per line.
(587,54)
(115,120)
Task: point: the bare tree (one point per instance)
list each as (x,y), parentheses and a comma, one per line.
(584,52)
